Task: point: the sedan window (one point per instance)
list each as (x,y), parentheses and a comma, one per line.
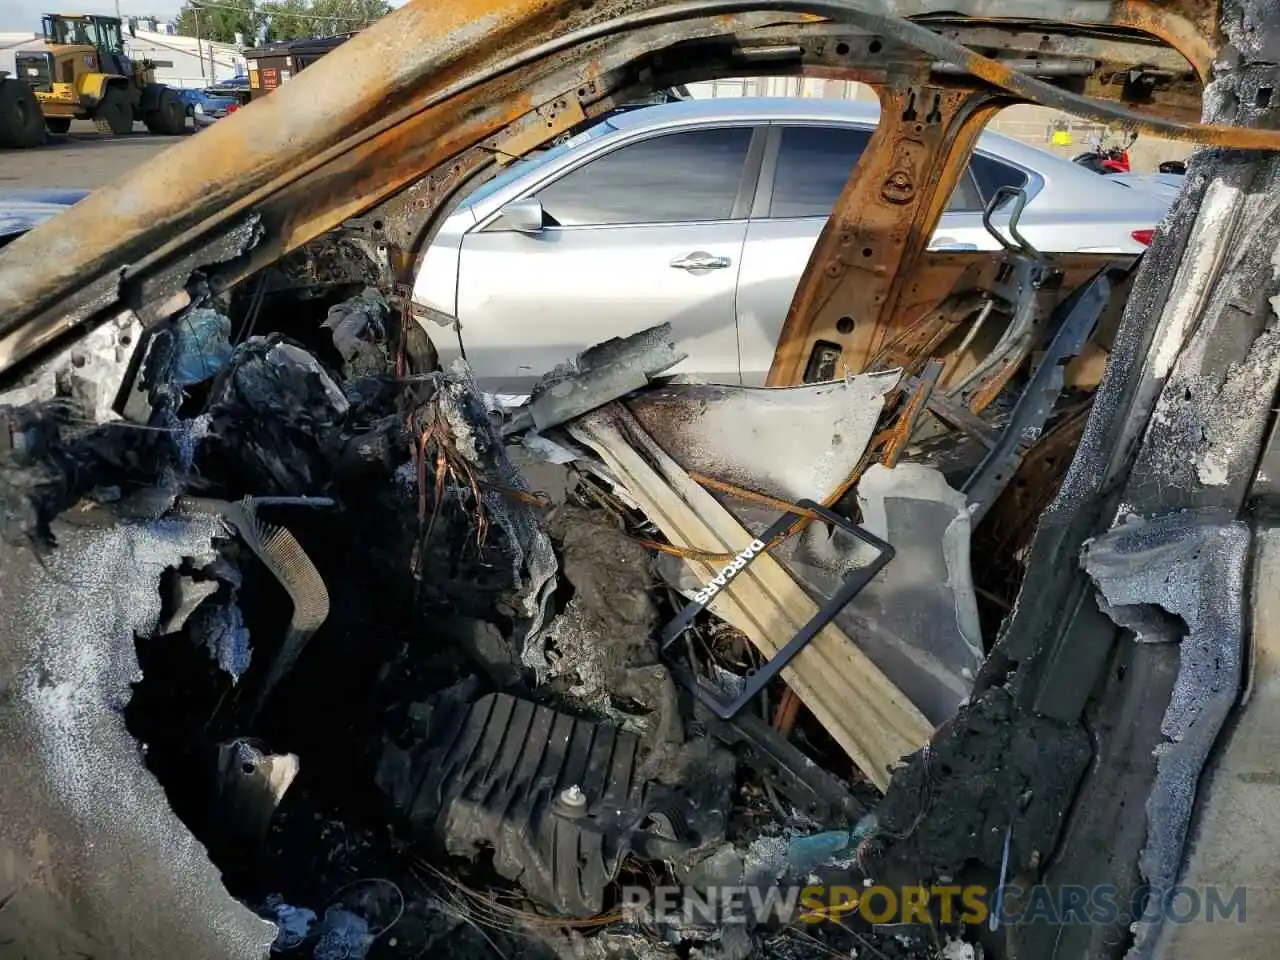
(992,175)
(814,164)
(526,165)
(675,178)
(965,196)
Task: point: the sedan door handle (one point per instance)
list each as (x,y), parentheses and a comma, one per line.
(700,260)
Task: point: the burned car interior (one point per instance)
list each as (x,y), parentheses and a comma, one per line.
(309,648)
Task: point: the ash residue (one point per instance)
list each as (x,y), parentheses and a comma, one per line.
(607,628)
(359,329)
(53,461)
(458,404)
(991,767)
(577,657)
(1249,26)
(1249,383)
(278,415)
(611,944)
(1201,439)
(533,562)
(765,861)
(1194,572)
(77,793)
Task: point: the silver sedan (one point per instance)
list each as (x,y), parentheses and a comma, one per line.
(703,213)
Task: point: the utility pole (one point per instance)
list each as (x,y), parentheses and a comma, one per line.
(195,7)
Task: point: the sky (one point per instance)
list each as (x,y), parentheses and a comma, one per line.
(25,14)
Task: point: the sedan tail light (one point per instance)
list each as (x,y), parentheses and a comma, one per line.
(1143,236)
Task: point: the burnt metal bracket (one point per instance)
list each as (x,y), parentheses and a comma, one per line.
(1030,273)
(1020,243)
(1079,315)
(756,681)
(812,789)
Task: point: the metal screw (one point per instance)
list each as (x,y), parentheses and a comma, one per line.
(573,796)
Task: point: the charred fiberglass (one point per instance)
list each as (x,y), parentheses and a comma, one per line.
(308,646)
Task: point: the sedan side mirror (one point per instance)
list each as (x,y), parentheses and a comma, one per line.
(525,216)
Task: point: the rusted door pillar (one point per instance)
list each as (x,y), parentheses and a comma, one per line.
(843,309)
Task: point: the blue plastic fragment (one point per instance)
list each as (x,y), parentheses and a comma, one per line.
(806,853)
(222,629)
(203,345)
(343,936)
(293,923)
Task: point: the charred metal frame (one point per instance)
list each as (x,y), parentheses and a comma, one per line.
(430,98)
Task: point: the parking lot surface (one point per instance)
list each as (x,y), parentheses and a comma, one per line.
(81,159)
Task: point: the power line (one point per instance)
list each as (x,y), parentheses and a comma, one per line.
(276,12)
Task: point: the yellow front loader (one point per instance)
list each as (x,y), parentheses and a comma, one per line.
(84,73)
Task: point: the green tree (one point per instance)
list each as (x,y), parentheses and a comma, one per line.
(329,17)
(290,19)
(344,16)
(283,19)
(220,20)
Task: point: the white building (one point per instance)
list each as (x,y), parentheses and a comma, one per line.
(781,87)
(182,63)
(13,43)
(1026,122)
(191,66)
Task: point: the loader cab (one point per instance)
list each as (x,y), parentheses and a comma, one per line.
(85,43)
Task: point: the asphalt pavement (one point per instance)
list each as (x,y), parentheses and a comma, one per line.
(80,160)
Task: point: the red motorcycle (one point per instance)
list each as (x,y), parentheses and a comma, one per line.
(1107,159)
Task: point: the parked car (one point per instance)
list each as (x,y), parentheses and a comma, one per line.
(204,106)
(1166,186)
(22,210)
(704,213)
(237,88)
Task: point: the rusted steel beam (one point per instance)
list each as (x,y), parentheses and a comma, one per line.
(900,434)
(1189,26)
(1015,39)
(359,178)
(424,45)
(941,291)
(910,345)
(1183,33)
(375,170)
(429,55)
(842,310)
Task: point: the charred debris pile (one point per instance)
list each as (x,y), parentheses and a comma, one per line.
(432,679)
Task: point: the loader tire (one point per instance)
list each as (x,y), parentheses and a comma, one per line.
(169,117)
(114,114)
(21,124)
(58,124)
